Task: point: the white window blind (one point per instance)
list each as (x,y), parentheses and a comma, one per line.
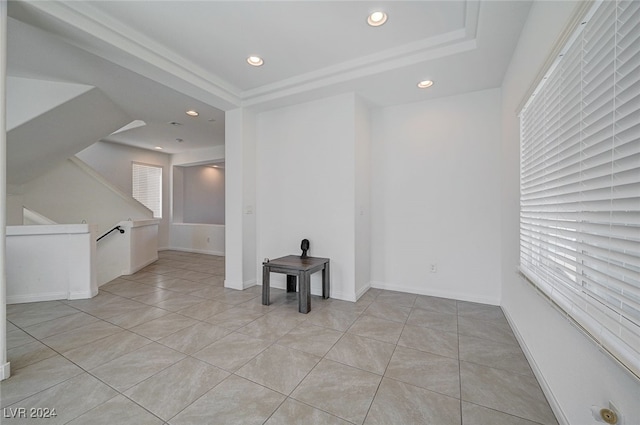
(580,181)
(147,187)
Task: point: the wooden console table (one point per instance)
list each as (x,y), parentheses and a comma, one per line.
(301,268)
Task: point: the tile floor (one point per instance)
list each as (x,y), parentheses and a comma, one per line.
(171,345)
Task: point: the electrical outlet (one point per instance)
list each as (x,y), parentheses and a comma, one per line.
(608,415)
(434,268)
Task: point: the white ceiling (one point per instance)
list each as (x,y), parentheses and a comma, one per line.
(158,58)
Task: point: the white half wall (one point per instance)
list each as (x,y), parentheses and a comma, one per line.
(200,238)
(51,262)
(436,197)
(305,188)
(126,253)
(572,371)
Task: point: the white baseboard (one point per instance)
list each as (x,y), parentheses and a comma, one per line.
(5,371)
(362,290)
(249,283)
(50,296)
(32,298)
(137,268)
(240,286)
(436,293)
(336,295)
(233,285)
(544,385)
(195,251)
(344,296)
(82,295)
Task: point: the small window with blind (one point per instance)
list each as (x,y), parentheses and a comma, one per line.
(580,181)
(147,187)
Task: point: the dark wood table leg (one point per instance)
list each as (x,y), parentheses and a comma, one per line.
(291,283)
(266,270)
(326,281)
(304,300)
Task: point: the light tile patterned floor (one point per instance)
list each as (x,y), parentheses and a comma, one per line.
(171,345)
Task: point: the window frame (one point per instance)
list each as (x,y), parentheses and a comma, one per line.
(559,223)
(148,203)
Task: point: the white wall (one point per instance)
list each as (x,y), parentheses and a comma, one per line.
(362,198)
(13,207)
(202,194)
(5,369)
(177,195)
(436,197)
(39,145)
(113,162)
(202,238)
(21,93)
(248,212)
(240,199)
(74,193)
(306,185)
(574,373)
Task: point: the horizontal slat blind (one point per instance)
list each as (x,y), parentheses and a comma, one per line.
(580,181)
(147,187)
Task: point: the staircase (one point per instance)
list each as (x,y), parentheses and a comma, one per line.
(57,206)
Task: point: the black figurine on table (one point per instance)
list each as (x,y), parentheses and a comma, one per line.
(304,246)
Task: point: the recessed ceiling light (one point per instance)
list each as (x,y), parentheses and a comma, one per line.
(255,61)
(425,84)
(377,18)
(192,113)
(159,147)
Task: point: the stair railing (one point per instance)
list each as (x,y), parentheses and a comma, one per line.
(118,228)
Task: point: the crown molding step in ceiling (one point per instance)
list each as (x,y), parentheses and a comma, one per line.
(307,49)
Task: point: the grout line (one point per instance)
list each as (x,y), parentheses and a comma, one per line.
(284,308)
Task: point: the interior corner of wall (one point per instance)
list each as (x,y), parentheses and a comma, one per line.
(249,283)
(360,292)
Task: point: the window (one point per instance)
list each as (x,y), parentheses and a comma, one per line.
(580,181)
(147,187)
